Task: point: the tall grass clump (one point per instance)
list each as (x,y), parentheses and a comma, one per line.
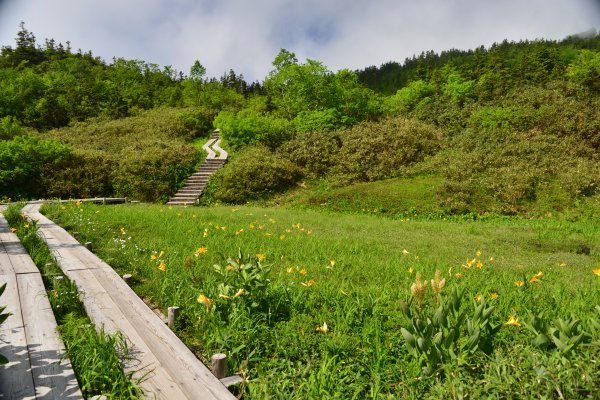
(97,358)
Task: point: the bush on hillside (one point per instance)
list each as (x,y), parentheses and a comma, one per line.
(508,169)
(315,152)
(248,127)
(254,173)
(153,174)
(87,173)
(25,161)
(375,151)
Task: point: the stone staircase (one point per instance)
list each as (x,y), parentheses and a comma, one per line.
(196,183)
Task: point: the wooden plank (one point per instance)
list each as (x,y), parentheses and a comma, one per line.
(16,380)
(105,314)
(167,347)
(176,372)
(52,378)
(13,256)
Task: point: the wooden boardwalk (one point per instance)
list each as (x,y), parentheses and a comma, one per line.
(171,370)
(28,338)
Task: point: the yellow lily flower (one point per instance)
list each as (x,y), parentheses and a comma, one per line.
(162,266)
(324,328)
(513,321)
(205,300)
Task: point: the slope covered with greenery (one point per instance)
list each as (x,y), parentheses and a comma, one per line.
(507,129)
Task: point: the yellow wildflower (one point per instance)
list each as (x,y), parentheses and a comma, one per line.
(153,257)
(78,204)
(478,297)
(491,259)
(205,233)
(162,266)
(297,226)
(240,231)
(405,252)
(478,264)
(302,271)
(519,283)
(201,250)
(26,226)
(562,264)
(534,279)
(308,283)
(251,226)
(239,293)
(13,230)
(596,271)
(478,253)
(162,253)
(261,257)
(205,300)
(410,270)
(513,321)
(224,296)
(290,270)
(331,264)
(281,237)
(458,275)
(229,268)
(493,296)
(324,328)
(539,274)
(309,232)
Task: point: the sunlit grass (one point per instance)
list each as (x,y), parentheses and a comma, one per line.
(334,285)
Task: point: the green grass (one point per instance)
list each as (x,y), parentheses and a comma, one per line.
(270,331)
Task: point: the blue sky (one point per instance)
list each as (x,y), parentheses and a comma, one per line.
(247,35)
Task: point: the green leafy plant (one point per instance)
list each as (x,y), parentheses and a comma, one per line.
(244,277)
(445,333)
(562,335)
(3,317)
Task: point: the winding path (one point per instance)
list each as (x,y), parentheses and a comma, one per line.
(196,183)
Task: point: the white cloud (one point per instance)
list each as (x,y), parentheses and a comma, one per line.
(246,36)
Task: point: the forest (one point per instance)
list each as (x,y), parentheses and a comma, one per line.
(503,127)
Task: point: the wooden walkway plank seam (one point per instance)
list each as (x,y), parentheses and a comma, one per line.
(37,365)
(110,302)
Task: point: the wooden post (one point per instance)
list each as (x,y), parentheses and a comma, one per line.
(172,317)
(127,278)
(219,365)
(89,246)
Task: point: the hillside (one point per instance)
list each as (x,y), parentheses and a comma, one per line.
(513,128)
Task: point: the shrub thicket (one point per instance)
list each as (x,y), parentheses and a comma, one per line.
(255,172)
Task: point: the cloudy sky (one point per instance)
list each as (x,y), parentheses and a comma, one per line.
(246,35)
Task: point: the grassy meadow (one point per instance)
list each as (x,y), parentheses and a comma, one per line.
(317,304)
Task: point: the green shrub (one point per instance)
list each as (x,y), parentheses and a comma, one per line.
(375,151)
(9,128)
(320,120)
(24,161)
(315,151)
(153,174)
(247,127)
(254,173)
(86,173)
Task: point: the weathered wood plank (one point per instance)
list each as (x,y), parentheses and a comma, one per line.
(52,378)
(175,371)
(13,257)
(103,311)
(16,380)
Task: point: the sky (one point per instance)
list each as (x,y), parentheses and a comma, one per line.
(246,35)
